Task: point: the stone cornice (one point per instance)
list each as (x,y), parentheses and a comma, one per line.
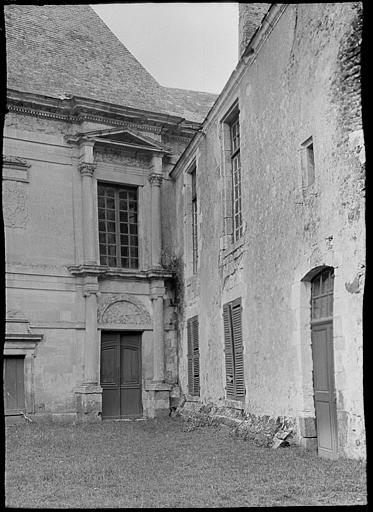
(102,271)
(75,109)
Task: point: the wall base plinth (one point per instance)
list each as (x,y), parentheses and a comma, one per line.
(156,402)
(89,402)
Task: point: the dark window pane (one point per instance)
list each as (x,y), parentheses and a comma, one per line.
(132,217)
(124,252)
(111,239)
(133,240)
(102,238)
(123,217)
(124,239)
(101,226)
(101,213)
(103,249)
(133,252)
(123,204)
(101,202)
(132,206)
(112,262)
(133,229)
(124,262)
(124,228)
(110,203)
(110,227)
(112,249)
(134,263)
(103,260)
(110,214)
(132,194)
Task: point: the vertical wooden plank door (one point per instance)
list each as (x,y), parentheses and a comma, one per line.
(323,364)
(14,385)
(121,375)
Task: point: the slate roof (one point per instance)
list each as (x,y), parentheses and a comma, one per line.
(67,49)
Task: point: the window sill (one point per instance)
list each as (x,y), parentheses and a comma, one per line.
(237,246)
(103,271)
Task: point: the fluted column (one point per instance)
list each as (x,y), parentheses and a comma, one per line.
(155,179)
(157,293)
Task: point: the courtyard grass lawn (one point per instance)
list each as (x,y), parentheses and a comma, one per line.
(157,463)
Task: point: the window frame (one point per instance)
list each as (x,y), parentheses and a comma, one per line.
(193,176)
(133,246)
(237,225)
(308,162)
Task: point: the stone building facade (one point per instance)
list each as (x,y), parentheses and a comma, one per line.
(89,141)
(270,214)
(165,243)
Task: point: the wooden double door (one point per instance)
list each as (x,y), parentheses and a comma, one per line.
(121,374)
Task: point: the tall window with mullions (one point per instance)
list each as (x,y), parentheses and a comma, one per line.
(194,221)
(118,226)
(236,179)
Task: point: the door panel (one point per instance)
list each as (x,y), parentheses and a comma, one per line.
(14,384)
(324,389)
(130,349)
(110,375)
(121,375)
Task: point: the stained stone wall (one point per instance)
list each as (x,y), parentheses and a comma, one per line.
(303,81)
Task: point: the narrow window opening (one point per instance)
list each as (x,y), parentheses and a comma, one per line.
(194,221)
(236,179)
(308,162)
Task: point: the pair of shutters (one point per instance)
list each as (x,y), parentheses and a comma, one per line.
(193,356)
(234,364)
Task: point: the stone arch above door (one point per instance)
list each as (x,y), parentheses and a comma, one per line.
(122,309)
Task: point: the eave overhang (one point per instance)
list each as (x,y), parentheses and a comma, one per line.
(76,109)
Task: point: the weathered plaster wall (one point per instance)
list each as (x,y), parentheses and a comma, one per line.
(303,82)
(44,235)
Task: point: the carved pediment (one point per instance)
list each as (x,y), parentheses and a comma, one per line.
(124,137)
(122,309)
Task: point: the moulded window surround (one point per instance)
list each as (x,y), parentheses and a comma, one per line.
(118,225)
(232,208)
(308,162)
(191,218)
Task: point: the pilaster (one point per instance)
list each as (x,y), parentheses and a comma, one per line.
(87,169)
(155,180)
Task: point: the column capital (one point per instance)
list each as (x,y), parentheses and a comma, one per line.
(86,169)
(155,179)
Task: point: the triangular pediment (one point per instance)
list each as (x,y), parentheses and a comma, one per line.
(126,138)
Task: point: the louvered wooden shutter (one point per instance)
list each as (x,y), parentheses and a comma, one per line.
(190,357)
(195,356)
(228,347)
(239,381)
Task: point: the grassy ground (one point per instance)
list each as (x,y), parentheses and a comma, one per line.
(156,463)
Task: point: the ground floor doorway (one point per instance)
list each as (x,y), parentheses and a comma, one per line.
(323,363)
(121,371)
(14,385)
